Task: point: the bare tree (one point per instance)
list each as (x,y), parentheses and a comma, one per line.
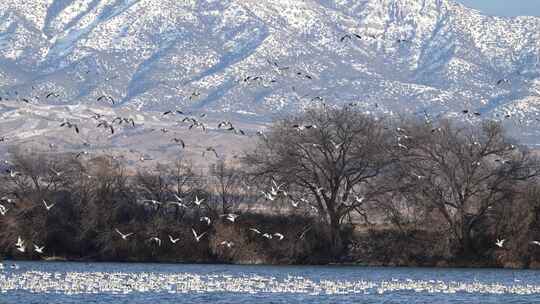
(227,185)
(460,172)
(329,157)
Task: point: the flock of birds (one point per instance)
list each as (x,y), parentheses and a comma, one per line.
(196,122)
(107,282)
(22,247)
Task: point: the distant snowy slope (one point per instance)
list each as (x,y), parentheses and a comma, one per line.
(412,55)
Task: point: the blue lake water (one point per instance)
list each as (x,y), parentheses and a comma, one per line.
(52,282)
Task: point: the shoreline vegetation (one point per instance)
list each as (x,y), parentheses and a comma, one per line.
(330,186)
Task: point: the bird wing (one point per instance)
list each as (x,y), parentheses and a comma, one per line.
(118,231)
(255,230)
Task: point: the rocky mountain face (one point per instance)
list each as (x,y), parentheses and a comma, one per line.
(257,59)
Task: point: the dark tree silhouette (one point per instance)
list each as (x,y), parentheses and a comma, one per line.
(329,157)
(461,172)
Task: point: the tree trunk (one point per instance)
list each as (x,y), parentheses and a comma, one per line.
(335,236)
(466,245)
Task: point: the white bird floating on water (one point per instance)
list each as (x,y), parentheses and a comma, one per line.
(109,282)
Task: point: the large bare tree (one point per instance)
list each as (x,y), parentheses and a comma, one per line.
(328,157)
(460,172)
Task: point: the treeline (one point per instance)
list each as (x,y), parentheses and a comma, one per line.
(339,185)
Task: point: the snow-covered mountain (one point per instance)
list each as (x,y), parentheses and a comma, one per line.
(260,58)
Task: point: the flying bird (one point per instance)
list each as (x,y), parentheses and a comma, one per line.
(503,81)
(279,236)
(52,94)
(106,125)
(194,95)
(173,240)
(211,149)
(180,142)
(20,241)
(20,245)
(21,248)
(198,201)
(107,98)
(225,124)
(231,217)
(122,235)
(70,125)
(38,249)
(198,237)
(48,207)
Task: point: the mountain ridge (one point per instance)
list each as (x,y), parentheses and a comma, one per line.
(413,56)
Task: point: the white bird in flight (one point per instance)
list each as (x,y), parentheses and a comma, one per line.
(173,240)
(197,201)
(178,198)
(124,236)
(257,231)
(20,242)
(21,248)
(48,207)
(20,245)
(279,236)
(197,236)
(39,249)
(230,217)
(500,243)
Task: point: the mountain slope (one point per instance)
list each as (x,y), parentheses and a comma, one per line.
(413,55)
